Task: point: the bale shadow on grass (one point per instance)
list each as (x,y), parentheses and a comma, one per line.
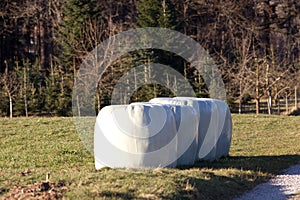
(265,164)
(241,173)
(214,187)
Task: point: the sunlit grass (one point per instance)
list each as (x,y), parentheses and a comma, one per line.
(262,146)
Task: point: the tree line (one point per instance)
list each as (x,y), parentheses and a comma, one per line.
(255,45)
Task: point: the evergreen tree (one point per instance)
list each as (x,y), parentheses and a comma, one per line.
(73,35)
(156,13)
(77,36)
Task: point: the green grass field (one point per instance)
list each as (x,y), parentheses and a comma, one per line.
(262,146)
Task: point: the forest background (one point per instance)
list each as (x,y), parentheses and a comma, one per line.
(254,43)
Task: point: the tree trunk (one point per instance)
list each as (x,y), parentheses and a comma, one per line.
(98,98)
(26,105)
(257,104)
(10,106)
(296,98)
(269,102)
(42,42)
(286,103)
(78,105)
(52,71)
(175,86)
(25,92)
(154,90)
(240,98)
(240,106)
(257,99)
(135,84)
(168,81)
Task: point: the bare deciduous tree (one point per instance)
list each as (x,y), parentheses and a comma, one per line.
(10,85)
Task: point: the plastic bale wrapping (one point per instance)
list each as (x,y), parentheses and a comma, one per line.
(220,127)
(215,125)
(187,134)
(138,135)
(204,111)
(223,144)
(186,119)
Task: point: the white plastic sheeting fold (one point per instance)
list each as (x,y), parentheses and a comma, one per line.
(186,119)
(214,125)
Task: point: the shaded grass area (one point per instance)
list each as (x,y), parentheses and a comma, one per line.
(262,146)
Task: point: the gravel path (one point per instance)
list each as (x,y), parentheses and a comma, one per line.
(282,186)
